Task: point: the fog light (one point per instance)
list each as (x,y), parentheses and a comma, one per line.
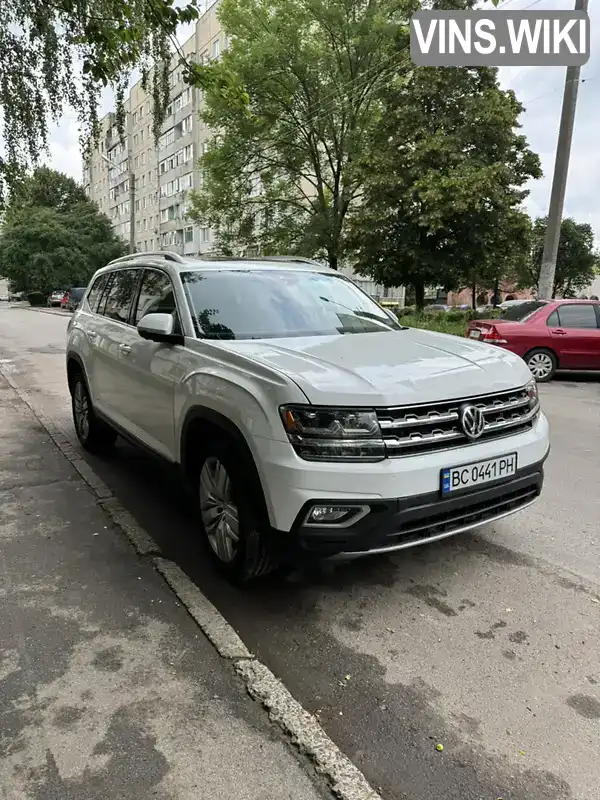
(335,515)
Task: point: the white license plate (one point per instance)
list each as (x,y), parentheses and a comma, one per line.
(456,478)
(474,333)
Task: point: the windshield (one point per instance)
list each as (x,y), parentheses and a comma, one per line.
(273,303)
(519,312)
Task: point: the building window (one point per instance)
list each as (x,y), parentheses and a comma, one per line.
(186,125)
(216,48)
(188,234)
(205,235)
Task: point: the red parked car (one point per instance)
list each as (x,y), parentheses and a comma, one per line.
(547,334)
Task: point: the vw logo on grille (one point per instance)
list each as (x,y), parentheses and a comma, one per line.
(472,421)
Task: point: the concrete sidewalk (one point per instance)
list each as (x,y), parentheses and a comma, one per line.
(108,689)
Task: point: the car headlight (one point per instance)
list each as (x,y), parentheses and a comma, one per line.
(333,434)
(532,393)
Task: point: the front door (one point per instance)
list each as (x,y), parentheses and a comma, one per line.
(575,335)
(154,369)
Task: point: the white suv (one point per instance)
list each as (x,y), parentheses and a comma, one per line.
(306,419)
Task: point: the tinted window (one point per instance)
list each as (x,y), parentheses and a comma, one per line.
(118,297)
(270,303)
(552,321)
(96,291)
(577,316)
(521,311)
(156,295)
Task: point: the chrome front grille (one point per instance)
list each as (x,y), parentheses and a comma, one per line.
(412,430)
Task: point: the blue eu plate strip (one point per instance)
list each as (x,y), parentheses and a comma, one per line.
(445,480)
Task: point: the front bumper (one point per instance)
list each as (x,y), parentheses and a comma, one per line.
(398,523)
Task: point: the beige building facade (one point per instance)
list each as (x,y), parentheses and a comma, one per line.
(154,180)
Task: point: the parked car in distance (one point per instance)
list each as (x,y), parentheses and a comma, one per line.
(306,420)
(55,299)
(435,307)
(73,298)
(548,335)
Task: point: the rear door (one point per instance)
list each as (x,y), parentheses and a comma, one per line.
(575,335)
(114,336)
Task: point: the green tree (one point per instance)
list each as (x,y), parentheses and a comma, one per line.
(53,236)
(577,262)
(281,173)
(443,184)
(59,53)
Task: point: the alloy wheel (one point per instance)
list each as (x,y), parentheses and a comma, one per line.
(219,513)
(81,410)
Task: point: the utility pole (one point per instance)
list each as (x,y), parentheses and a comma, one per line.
(559,181)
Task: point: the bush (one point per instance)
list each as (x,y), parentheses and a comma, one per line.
(405,311)
(36,299)
(457,316)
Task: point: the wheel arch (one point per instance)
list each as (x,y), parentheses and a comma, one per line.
(546,349)
(201,421)
(74,364)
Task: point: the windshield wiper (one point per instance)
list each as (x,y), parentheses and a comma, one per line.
(363,314)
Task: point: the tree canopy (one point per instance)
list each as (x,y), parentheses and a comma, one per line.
(56,54)
(280,174)
(577,263)
(53,237)
(444,183)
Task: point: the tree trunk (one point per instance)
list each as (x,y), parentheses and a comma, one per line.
(496,295)
(419,295)
(333,260)
(474,296)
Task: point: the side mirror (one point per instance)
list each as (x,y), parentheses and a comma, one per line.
(159,328)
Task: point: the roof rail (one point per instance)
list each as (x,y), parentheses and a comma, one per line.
(299,259)
(166,254)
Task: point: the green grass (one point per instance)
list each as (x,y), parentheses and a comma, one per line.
(436,322)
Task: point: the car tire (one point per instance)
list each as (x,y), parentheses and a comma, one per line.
(94,435)
(233,527)
(542,363)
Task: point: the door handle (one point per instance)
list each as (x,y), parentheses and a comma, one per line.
(125,348)
(560,333)
(92,334)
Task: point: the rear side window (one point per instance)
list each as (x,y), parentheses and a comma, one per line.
(119,295)
(96,291)
(520,312)
(577,316)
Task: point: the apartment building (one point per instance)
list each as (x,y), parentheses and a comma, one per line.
(156,179)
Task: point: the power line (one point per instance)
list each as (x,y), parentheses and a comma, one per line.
(553,91)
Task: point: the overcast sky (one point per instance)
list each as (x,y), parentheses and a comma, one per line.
(538,88)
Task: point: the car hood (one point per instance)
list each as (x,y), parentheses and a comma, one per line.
(388,368)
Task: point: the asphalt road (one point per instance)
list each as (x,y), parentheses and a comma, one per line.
(487,643)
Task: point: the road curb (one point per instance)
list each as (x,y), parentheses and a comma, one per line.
(302,728)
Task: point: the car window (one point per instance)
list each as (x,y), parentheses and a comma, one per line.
(156,296)
(577,316)
(272,303)
(552,321)
(119,295)
(96,291)
(521,311)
